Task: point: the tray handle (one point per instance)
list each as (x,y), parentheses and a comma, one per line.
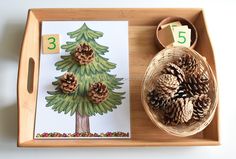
(28,79)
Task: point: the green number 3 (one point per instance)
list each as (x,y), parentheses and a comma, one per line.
(181,36)
(52,41)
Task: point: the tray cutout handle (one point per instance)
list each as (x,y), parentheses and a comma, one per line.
(30,75)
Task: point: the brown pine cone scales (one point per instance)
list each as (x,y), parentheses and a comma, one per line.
(179,111)
(167,85)
(181,92)
(201,105)
(68,83)
(156,100)
(84,54)
(187,63)
(98,92)
(173,69)
(197,84)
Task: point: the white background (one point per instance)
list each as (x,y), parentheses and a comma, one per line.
(47,120)
(220,16)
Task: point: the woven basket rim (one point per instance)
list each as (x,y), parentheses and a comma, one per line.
(151,114)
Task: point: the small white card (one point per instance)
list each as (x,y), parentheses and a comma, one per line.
(182,36)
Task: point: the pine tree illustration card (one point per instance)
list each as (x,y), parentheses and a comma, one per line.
(83,91)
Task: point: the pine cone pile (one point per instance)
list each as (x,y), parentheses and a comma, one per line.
(84,54)
(181,92)
(68,83)
(98,92)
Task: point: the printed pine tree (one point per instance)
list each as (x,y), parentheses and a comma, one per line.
(86,88)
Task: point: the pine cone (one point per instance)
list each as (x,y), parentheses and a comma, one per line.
(68,83)
(167,85)
(173,69)
(197,84)
(181,92)
(201,105)
(156,100)
(187,63)
(84,54)
(180,111)
(98,92)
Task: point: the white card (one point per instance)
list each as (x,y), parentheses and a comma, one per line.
(114,124)
(182,36)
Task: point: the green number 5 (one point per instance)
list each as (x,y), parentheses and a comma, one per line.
(181,36)
(52,41)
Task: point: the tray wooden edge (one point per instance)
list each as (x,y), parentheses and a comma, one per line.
(33,143)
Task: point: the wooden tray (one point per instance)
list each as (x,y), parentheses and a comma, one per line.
(142,48)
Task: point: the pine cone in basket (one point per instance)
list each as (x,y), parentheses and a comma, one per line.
(98,92)
(84,54)
(167,85)
(197,84)
(173,69)
(181,92)
(178,112)
(187,63)
(68,83)
(156,100)
(201,105)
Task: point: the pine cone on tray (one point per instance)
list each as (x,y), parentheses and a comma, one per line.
(187,63)
(98,92)
(201,105)
(156,100)
(178,112)
(197,84)
(68,83)
(173,69)
(167,85)
(84,54)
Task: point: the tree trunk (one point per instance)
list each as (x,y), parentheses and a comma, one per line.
(82,123)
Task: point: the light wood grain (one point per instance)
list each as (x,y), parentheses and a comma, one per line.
(26,100)
(142,48)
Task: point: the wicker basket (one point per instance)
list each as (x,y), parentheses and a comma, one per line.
(154,70)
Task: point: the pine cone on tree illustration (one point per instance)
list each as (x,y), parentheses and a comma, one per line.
(84,54)
(98,92)
(67,83)
(81,91)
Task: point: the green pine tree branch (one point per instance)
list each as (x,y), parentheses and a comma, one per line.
(70,103)
(96,71)
(86,33)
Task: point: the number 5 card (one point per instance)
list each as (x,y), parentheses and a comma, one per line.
(182,36)
(51,43)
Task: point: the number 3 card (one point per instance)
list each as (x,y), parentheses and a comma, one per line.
(51,43)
